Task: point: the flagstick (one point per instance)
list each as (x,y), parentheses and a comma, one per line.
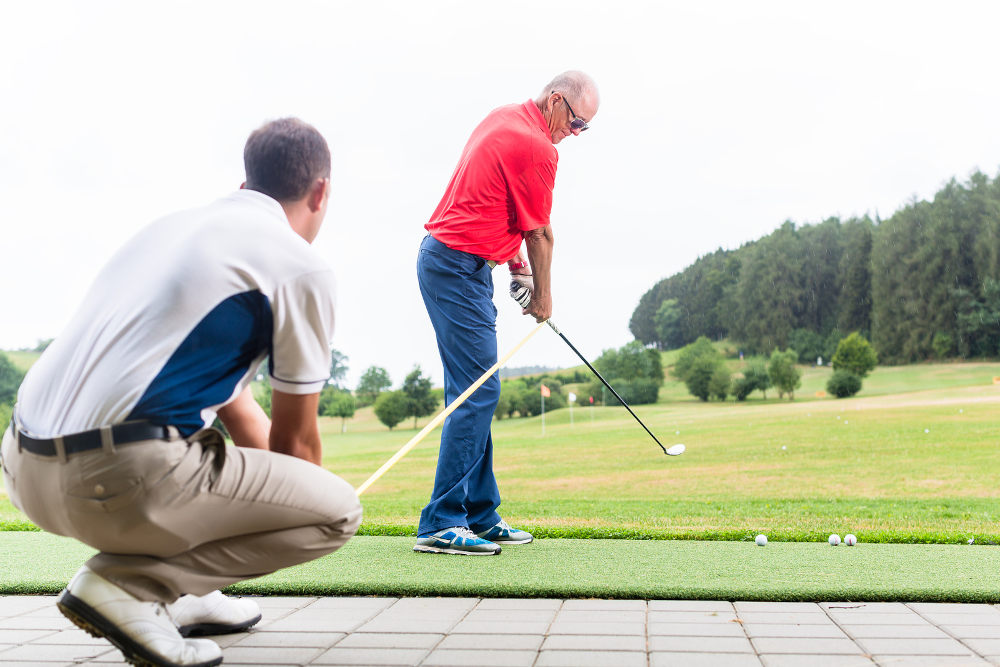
(543,415)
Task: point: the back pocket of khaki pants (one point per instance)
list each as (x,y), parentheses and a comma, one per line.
(104,502)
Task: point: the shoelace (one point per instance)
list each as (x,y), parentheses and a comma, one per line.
(503,524)
(462,531)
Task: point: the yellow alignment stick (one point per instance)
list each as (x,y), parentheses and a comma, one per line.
(444,413)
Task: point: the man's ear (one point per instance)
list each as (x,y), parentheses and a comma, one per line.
(318,193)
(554,99)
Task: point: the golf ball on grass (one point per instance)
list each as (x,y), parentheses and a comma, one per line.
(761,540)
(850,540)
(834,540)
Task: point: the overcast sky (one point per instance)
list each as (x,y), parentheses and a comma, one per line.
(719,120)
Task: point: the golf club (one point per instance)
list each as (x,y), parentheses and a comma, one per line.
(519,296)
(443,414)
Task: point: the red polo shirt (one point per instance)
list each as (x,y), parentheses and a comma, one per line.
(502,186)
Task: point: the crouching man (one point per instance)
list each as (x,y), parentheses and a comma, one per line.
(110,442)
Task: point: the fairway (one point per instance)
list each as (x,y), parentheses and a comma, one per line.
(889,465)
(386,566)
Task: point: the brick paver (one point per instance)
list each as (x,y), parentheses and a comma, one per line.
(439,632)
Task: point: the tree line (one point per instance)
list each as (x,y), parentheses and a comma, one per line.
(922,284)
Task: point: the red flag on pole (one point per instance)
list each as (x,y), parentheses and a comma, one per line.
(545,391)
(591,400)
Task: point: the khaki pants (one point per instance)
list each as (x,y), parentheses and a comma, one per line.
(178,516)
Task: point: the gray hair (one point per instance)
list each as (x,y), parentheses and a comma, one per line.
(574,83)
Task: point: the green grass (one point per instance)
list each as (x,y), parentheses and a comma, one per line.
(796,471)
(22,359)
(587,568)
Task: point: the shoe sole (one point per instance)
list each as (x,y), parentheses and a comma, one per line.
(205,629)
(457,552)
(93,623)
(527,541)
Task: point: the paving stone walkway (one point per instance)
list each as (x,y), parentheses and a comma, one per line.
(433,632)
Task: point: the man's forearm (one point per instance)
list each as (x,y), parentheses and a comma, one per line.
(539,243)
(247,423)
(294,429)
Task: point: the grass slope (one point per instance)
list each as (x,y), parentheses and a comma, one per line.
(387,566)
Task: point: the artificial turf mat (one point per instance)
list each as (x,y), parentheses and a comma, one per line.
(562,568)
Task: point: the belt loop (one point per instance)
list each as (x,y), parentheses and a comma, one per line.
(107,440)
(60,448)
(173,433)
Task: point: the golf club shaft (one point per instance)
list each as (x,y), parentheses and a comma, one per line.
(443,414)
(599,377)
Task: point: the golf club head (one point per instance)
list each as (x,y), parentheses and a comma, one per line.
(676,450)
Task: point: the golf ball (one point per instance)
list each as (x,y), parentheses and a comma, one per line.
(761,540)
(834,540)
(850,540)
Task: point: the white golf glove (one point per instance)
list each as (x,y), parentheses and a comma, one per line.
(521,288)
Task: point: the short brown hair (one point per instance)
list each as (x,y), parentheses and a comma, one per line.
(284,157)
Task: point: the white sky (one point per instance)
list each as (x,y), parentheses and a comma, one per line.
(719,120)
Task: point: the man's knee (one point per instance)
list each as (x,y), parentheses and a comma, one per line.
(491,391)
(346,511)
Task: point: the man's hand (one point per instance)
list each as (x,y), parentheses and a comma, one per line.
(540,307)
(521,287)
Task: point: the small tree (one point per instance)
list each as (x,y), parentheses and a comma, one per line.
(783,373)
(373,381)
(338,367)
(392,407)
(756,374)
(843,384)
(337,403)
(855,354)
(718,384)
(699,376)
(630,362)
(418,390)
(691,353)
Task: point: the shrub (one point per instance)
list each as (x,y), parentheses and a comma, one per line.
(718,384)
(392,407)
(691,353)
(843,384)
(855,354)
(699,376)
(640,391)
(943,345)
(783,373)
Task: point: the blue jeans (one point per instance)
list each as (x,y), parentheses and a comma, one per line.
(458,292)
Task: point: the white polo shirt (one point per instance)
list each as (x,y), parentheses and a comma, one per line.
(178,321)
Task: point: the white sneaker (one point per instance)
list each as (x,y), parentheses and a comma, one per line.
(142,631)
(213,614)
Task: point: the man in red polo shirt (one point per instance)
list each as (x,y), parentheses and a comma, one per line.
(499,197)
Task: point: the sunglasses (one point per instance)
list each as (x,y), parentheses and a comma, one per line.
(577,123)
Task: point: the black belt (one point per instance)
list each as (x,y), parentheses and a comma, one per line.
(74,443)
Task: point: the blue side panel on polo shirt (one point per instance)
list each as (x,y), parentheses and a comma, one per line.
(209,363)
